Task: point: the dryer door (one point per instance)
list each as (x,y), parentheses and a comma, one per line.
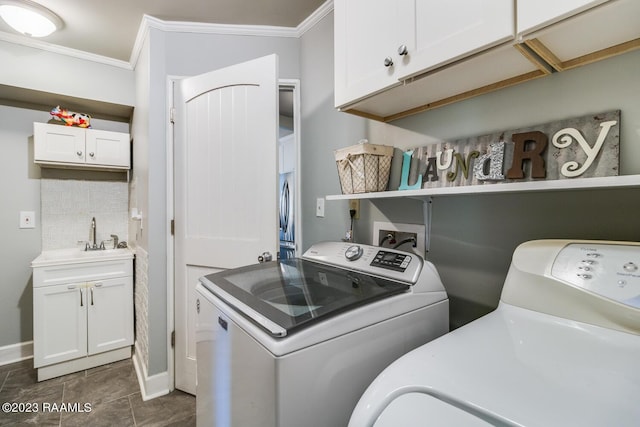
(421,409)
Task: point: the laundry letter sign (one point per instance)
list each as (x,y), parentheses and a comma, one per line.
(582,147)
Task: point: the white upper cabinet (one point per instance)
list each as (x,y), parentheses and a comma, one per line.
(367,35)
(398,58)
(380,44)
(535,14)
(66,146)
(573,33)
(441,32)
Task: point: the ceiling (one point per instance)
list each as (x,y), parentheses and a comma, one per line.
(109,28)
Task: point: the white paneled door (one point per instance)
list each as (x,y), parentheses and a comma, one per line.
(226,181)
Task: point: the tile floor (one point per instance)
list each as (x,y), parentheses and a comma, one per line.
(111,390)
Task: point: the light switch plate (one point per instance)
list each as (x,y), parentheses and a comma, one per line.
(27,219)
(320,207)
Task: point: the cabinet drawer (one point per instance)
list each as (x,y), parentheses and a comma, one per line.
(81,272)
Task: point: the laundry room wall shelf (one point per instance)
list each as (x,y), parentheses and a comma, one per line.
(622,181)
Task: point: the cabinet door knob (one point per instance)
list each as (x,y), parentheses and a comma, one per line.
(91,154)
(79,153)
(388,62)
(402,50)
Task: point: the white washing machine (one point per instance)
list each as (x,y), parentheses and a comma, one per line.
(294,343)
(561,349)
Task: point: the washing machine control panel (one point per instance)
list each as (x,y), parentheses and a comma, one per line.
(609,270)
(391,260)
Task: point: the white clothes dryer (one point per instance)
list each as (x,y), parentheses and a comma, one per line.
(561,349)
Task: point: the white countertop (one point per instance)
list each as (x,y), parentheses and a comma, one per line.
(78,256)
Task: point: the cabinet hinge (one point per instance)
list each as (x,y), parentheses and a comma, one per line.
(173,227)
(173,339)
(172,115)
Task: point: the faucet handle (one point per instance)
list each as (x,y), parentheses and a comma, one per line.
(115,240)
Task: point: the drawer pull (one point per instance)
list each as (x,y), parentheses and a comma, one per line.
(71,287)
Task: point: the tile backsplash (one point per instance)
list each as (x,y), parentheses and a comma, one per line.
(67,206)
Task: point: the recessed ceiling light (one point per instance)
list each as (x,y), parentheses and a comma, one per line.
(29,18)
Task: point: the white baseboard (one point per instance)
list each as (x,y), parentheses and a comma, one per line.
(16,352)
(150,386)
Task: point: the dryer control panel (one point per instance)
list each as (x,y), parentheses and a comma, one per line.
(609,270)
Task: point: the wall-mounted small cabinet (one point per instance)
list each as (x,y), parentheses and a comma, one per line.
(72,147)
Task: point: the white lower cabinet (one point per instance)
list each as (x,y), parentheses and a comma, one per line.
(59,323)
(109,319)
(85,322)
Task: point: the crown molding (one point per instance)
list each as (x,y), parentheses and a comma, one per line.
(325,9)
(61,50)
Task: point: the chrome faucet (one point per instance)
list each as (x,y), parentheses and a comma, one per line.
(93,231)
(92,245)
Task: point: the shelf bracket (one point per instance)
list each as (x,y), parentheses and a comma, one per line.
(427,203)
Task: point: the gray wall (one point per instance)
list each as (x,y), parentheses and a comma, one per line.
(20,190)
(473,236)
(36,69)
(323,129)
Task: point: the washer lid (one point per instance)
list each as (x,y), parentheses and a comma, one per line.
(289,294)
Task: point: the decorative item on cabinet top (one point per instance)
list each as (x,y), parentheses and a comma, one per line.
(73,147)
(71,118)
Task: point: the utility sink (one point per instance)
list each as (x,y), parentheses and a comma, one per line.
(76,256)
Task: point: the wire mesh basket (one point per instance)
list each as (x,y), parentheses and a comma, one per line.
(364,167)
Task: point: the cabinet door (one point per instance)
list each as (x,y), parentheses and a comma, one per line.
(110,317)
(366,33)
(57,143)
(108,148)
(59,323)
(448,30)
(535,14)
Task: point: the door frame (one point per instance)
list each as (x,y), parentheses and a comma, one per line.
(170,138)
